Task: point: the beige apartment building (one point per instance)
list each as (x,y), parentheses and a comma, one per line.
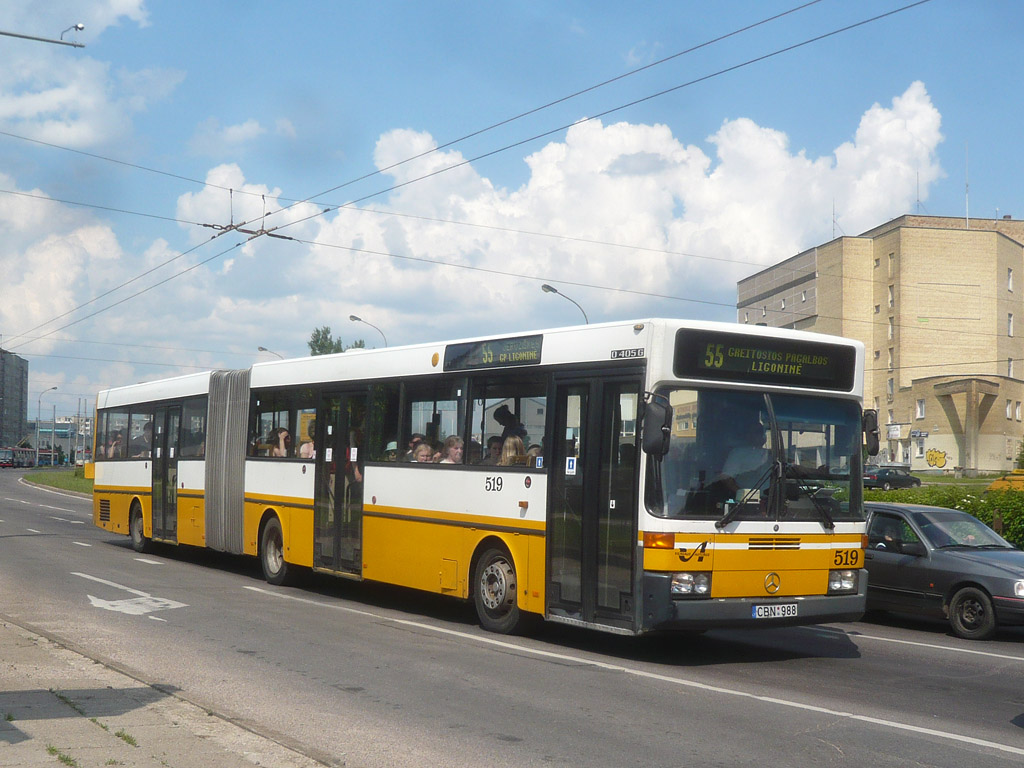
(939,305)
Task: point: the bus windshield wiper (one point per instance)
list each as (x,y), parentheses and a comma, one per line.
(797,474)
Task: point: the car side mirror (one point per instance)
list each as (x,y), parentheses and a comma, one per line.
(657,428)
(869,423)
(915,548)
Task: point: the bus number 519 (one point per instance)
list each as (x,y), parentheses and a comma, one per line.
(492,483)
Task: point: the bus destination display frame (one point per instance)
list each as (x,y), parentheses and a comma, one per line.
(718,356)
(494,353)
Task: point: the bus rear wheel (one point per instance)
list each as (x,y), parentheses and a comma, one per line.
(137,530)
(275,569)
(495,593)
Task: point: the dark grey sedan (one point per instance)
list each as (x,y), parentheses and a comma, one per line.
(945,563)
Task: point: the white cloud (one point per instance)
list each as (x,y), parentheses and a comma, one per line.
(214,140)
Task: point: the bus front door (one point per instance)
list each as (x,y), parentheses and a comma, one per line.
(592,505)
(338,522)
(164,457)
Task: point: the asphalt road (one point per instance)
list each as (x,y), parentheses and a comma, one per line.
(365,675)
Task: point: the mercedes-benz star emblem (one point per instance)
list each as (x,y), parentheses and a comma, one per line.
(772,582)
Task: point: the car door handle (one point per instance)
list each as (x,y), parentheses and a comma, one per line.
(868,555)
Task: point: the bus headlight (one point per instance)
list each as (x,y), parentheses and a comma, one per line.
(841,582)
(690,585)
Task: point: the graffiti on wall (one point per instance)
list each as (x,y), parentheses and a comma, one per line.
(935,458)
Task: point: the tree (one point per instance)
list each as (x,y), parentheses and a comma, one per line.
(322,343)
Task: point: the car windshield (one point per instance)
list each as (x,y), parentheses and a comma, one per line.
(951,529)
(741,455)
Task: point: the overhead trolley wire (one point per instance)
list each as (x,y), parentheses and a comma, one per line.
(272,232)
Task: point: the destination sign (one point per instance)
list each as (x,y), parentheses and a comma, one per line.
(764,360)
(496,353)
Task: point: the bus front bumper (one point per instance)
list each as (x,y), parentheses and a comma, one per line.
(663,612)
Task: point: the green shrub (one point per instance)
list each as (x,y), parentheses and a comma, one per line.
(1009,504)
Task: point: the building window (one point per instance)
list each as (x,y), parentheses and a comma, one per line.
(919,411)
(877,354)
(803,295)
(892,327)
(1009,367)
(1009,409)
(874,402)
(892,264)
(783,303)
(891,419)
(1009,324)
(746,317)
(876,263)
(1016,410)
(764,311)
(891,356)
(1009,279)
(889,388)
(892,297)
(919,445)
(878,308)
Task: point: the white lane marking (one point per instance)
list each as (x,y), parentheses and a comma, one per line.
(934,646)
(156,618)
(894,724)
(56,509)
(33,530)
(65,520)
(82,544)
(136,606)
(148,562)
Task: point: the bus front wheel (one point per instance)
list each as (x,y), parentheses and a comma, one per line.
(275,569)
(495,592)
(137,530)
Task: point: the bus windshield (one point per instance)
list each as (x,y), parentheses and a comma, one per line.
(755,456)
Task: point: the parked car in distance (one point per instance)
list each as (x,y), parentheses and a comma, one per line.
(888,478)
(944,563)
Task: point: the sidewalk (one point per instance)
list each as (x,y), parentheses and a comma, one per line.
(58,707)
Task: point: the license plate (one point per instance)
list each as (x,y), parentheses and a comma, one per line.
(781,611)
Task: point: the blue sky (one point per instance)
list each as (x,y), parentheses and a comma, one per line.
(676,196)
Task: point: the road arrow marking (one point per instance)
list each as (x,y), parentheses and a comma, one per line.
(140,605)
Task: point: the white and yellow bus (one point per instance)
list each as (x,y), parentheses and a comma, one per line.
(628,476)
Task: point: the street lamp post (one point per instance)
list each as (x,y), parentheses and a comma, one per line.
(551,289)
(39,414)
(272,352)
(356,319)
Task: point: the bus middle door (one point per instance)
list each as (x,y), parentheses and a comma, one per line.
(592,504)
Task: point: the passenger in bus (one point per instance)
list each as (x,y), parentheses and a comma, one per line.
(142,445)
(280,442)
(451,451)
(115,448)
(423,453)
(512,452)
(533,456)
(306,450)
(493,451)
(414,440)
(510,423)
(391,451)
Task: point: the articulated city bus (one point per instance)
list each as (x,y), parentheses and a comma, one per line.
(628,476)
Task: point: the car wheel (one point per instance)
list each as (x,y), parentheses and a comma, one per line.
(886,486)
(971,614)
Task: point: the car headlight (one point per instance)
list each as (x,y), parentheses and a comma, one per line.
(842,582)
(1018,588)
(690,585)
